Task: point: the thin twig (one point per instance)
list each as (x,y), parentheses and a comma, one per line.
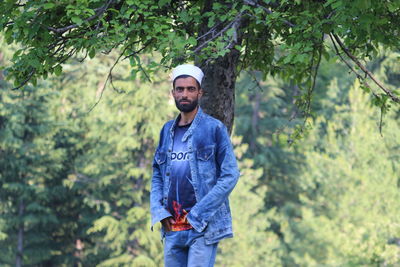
(361,79)
(381,122)
(234,38)
(8,23)
(220,33)
(381,107)
(26,80)
(114,87)
(344,61)
(84,57)
(138,51)
(145,73)
(109,76)
(257,83)
(314,79)
(359,76)
(365,70)
(210,31)
(255,4)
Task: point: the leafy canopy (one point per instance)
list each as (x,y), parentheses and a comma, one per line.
(276,37)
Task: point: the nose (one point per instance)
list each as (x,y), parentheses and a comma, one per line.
(185,92)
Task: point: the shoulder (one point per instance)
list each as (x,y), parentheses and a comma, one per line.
(167,125)
(165,129)
(212,122)
(215,128)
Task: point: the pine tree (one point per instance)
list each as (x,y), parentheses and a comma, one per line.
(349,206)
(115,167)
(253,244)
(40,211)
(31,182)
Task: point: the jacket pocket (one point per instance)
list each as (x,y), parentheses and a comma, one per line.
(160,157)
(205,153)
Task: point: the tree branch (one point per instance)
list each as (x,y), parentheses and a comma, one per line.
(255,4)
(364,69)
(26,80)
(314,79)
(210,31)
(344,61)
(256,82)
(98,13)
(109,77)
(220,33)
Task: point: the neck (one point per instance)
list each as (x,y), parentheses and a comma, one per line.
(188,117)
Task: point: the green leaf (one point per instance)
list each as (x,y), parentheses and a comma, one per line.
(8,36)
(58,70)
(326,55)
(77,20)
(192,41)
(49,5)
(92,53)
(392,7)
(162,3)
(364,4)
(337,4)
(211,22)
(184,16)
(34,81)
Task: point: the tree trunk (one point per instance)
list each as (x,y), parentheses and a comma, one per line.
(219,88)
(20,242)
(220,75)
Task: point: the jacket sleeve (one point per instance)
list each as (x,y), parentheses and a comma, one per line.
(158,211)
(203,211)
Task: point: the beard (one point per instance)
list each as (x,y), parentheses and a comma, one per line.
(186,107)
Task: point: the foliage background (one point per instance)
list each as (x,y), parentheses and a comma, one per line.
(75,169)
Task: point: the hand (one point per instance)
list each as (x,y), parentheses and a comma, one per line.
(167,223)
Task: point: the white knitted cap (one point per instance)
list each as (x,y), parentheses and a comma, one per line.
(188,69)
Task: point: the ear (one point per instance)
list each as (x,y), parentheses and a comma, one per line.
(201,92)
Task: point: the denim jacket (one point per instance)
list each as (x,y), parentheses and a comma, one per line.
(214,174)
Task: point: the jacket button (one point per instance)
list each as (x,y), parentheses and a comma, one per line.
(167,173)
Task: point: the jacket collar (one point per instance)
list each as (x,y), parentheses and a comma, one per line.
(192,127)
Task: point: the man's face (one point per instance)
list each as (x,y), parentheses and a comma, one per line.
(186,94)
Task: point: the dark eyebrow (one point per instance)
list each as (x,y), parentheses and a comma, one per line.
(183,87)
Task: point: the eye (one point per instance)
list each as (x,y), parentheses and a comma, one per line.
(192,89)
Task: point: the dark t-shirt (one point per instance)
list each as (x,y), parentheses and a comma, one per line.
(181,197)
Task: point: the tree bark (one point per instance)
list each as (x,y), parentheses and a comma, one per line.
(219,88)
(20,242)
(220,75)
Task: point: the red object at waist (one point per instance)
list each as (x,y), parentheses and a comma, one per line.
(181,227)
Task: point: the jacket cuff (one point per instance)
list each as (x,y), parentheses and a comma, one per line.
(159,216)
(196,222)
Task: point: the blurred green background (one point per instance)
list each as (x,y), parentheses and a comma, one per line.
(75,169)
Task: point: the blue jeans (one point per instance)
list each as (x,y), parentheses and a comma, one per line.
(188,249)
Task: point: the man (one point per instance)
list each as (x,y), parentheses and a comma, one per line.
(194,170)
